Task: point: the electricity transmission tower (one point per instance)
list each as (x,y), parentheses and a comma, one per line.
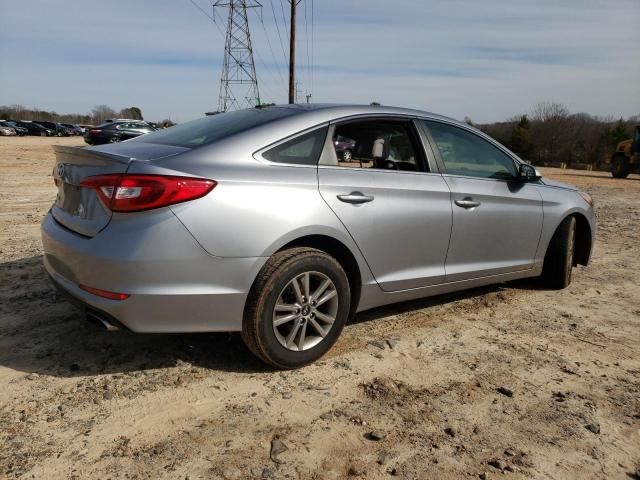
(238,83)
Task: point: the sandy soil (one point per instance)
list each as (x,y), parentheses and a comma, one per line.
(509,381)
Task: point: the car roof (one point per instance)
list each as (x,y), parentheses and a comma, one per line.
(334,110)
(308,115)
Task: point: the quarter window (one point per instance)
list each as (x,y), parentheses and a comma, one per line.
(464,153)
(302,150)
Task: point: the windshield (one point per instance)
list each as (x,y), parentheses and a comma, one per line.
(204,131)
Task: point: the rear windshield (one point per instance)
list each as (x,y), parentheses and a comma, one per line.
(204,131)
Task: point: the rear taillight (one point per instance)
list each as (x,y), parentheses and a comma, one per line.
(93,131)
(105,293)
(133,193)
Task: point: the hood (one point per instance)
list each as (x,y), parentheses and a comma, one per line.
(553,183)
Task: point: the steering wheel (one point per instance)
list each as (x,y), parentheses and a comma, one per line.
(391,164)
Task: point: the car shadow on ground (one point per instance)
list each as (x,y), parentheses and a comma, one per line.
(40,332)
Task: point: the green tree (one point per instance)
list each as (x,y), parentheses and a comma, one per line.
(521,141)
(619,132)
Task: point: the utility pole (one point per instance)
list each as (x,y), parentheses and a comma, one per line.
(238,82)
(292,52)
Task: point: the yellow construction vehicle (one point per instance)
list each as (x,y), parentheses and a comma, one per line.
(626,158)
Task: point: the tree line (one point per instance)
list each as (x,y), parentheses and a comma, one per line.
(551,134)
(96,116)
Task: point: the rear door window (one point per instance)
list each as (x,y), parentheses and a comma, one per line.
(376,144)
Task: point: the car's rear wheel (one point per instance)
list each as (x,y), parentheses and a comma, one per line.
(296,308)
(114,139)
(558,261)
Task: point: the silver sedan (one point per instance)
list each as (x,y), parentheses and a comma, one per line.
(247,221)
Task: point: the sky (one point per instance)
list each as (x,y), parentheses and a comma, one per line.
(488,60)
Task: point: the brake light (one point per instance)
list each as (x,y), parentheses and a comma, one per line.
(93,131)
(134,193)
(105,293)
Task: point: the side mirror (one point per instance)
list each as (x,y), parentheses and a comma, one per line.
(527,173)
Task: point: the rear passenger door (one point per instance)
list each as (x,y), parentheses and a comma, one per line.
(497,219)
(397,211)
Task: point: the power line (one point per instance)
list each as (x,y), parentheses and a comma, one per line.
(275,18)
(273,55)
(202,10)
(284,19)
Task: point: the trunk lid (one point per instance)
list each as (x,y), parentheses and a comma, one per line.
(78,208)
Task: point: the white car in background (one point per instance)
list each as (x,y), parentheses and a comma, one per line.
(7,132)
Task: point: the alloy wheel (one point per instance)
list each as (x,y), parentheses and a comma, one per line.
(305,311)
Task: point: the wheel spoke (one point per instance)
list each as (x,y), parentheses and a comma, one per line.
(303,334)
(296,289)
(292,335)
(282,320)
(317,326)
(283,307)
(320,290)
(325,318)
(326,297)
(306,285)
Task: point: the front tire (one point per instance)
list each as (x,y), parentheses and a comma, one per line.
(296,308)
(558,261)
(620,166)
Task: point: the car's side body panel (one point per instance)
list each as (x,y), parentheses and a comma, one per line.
(373,296)
(558,203)
(500,235)
(403,232)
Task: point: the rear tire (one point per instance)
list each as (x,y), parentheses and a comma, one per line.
(273,298)
(558,261)
(620,166)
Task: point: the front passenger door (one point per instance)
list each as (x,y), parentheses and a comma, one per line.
(497,219)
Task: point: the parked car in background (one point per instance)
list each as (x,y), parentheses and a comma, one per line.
(114,131)
(74,129)
(20,131)
(34,128)
(57,128)
(7,131)
(344,147)
(247,221)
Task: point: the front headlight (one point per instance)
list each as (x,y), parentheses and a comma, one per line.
(587,198)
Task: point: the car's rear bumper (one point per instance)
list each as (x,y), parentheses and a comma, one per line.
(174,284)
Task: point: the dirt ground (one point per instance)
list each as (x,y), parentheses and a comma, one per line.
(510,381)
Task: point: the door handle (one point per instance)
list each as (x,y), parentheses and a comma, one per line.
(467,203)
(355,198)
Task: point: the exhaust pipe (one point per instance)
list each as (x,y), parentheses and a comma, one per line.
(101,320)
